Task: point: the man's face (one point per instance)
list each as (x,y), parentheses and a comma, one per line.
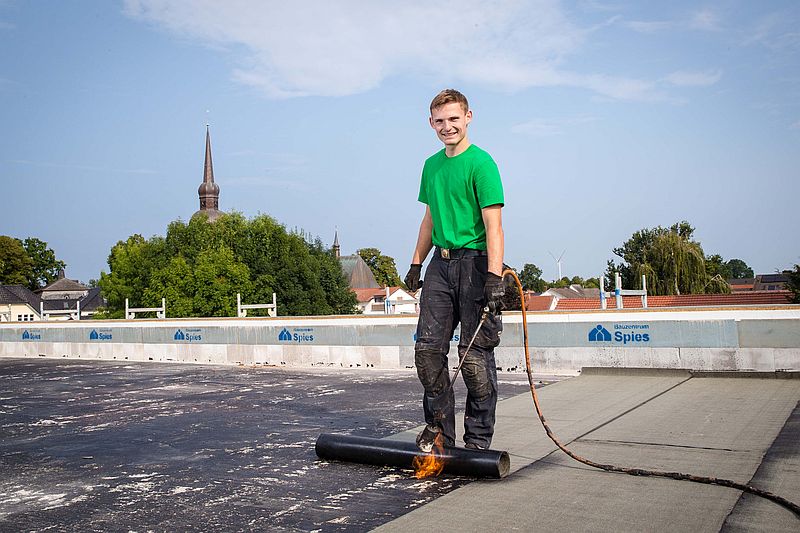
(450,122)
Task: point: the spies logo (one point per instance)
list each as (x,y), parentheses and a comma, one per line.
(100,336)
(190,335)
(31,335)
(300,335)
(623,333)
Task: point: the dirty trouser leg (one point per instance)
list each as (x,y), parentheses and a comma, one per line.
(434,331)
(479,369)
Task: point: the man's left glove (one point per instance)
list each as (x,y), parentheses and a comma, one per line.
(493,292)
(412,278)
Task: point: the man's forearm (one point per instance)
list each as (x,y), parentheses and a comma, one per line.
(424,239)
(495,239)
(495,244)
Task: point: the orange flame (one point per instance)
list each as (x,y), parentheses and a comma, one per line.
(430,464)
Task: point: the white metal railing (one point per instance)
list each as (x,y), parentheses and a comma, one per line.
(161,312)
(619,292)
(241,309)
(74,314)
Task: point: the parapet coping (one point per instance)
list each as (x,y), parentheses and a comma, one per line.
(685,372)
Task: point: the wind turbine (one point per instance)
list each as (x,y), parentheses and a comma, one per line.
(558,261)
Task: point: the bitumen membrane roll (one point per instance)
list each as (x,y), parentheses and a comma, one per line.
(382,452)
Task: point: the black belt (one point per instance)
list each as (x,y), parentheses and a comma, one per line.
(458,253)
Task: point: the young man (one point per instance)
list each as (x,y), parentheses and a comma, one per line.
(463,194)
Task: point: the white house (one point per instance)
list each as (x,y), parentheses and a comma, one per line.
(18,304)
(386,301)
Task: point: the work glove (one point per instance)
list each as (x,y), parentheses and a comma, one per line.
(493,292)
(412,278)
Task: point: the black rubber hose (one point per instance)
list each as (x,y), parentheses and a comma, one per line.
(631,471)
(401,454)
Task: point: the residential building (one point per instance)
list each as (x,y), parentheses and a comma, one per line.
(386,301)
(742,284)
(762,282)
(18,304)
(770,282)
(59,300)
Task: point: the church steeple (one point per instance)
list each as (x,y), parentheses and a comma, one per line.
(208,190)
(336,247)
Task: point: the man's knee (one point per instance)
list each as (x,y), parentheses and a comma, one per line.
(477,377)
(431,371)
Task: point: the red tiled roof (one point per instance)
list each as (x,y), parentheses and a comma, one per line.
(539,303)
(741,288)
(682,300)
(365,295)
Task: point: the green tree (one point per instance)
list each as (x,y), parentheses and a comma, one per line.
(218,277)
(672,265)
(341,299)
(382,266)
(45,265)
(739,269)
(591,283)
(794,283)
(199,267)
(132,263)
(672,262)
(716,266)
(16,267)
(176,283)
(531,278)
(610,275)
(565,282)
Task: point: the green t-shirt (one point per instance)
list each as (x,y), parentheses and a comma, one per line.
(456,189)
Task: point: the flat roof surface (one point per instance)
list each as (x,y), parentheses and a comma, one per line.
(745,428)
(97,446)
(110,446)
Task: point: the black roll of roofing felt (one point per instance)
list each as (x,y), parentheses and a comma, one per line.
(382,452)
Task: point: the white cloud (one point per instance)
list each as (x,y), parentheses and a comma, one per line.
(705,20)
(318,47)
(90,168)
(694,79)
(649,26)
(248,182)
(550,126)
(776,31)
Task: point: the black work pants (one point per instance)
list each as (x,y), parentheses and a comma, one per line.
(452,294)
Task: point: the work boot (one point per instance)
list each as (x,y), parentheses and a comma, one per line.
(474,446)
(427,437)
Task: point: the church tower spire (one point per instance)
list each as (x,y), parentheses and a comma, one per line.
(336,247)
(208,190)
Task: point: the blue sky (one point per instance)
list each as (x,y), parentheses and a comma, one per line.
(604,117)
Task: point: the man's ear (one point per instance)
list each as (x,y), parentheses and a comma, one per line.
(430,121)
(469,116)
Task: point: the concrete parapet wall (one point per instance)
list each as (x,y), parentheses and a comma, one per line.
(752,339)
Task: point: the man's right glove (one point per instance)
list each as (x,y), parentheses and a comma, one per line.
(412,278)
(493,292)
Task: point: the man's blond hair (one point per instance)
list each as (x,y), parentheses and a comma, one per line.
(449,96)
